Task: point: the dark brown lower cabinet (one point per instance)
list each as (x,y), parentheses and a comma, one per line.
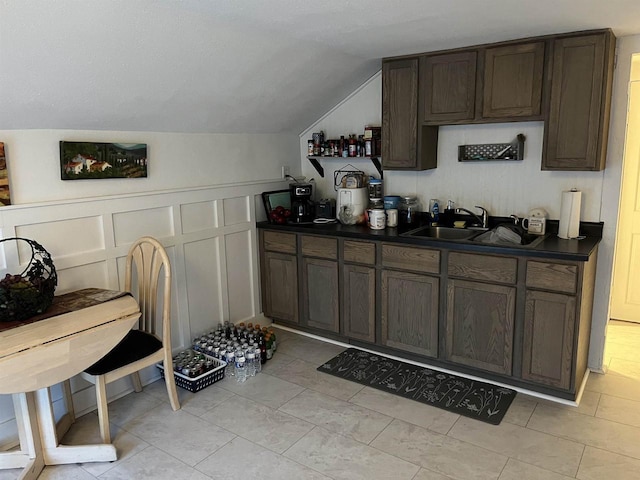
(479,325)
(549,325)
(359,302)
(410,312)
(280,286)
(450,307)
(320,294)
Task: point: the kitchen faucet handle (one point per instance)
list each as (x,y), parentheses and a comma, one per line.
(485,216)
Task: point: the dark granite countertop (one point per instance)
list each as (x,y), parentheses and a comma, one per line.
(551,247)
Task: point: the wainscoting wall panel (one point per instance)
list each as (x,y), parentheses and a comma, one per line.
(64,237)
(204,284)
(75,278)
(239,277)
(209,234)
(128,226)
(236,210)
(198,216)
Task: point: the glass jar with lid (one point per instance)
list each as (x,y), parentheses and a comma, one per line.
(376,203)
(409,210)
(375,188)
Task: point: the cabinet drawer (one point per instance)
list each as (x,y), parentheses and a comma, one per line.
(560,277)
(320,247)
(279,242)
(359,252)
(483,267)
(411,258)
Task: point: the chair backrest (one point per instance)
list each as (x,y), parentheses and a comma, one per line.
(148,260)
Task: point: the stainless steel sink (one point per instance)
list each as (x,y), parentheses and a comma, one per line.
(442,233)
(476,236)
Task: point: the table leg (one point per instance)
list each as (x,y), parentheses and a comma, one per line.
(56,454)
(30,457)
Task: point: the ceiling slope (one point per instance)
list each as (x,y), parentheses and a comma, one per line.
(238,66)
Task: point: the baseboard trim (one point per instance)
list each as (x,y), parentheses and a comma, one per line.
(525,391)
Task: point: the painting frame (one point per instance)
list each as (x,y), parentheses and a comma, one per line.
(5,193)
(102,160)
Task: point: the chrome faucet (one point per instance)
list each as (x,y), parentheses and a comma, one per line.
(483,220)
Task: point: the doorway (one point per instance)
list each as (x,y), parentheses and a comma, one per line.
(625,290)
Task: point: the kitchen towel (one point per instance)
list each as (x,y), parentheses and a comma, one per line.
(570,214)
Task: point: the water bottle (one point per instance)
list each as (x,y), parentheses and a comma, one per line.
(241,368)
(251,362)
(257,363)
(230,359)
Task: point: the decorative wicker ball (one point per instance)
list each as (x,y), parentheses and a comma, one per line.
(29,293)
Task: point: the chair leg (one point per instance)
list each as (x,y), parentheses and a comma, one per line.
(103,412)
(68,400)
(170,381)
(137,384)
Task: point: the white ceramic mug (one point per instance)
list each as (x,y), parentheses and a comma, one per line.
(534,225)
(392,217)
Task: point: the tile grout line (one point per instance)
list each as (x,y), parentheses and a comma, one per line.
(301,464)
(580,462)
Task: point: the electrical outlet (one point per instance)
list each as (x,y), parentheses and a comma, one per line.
(285,171)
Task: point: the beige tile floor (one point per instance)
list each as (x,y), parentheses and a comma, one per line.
(292,422)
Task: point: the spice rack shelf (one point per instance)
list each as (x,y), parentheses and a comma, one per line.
(492,151)
(315,161)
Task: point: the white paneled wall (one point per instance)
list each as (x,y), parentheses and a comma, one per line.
(209,234)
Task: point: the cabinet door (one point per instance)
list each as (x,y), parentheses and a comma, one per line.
(280,286)
(448,87)
(359,302)
(513,81)
(320,294)
(549,325)
(410,312)
(576,133)
(400,113)
(479,325)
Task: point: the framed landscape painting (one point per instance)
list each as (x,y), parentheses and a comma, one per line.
(5,198)
(94,160)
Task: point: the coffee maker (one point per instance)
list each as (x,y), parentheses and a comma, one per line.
(302,209)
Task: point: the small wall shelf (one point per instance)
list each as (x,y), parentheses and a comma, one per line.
(492,151)
(314,159)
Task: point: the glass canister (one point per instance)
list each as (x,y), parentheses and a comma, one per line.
(409,211)
(375,203)
(375,188)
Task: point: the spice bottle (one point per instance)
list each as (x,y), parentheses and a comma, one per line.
(352,146)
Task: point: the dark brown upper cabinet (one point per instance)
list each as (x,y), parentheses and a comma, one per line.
(578,122)
(405,145)
(448,86)
(564,80)
(513,80)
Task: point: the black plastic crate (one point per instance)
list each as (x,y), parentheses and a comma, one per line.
(198,383)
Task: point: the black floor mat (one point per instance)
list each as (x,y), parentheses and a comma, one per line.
(460,395)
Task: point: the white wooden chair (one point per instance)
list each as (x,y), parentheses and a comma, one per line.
(147,264)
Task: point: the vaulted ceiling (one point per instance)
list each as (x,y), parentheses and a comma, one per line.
(239,66)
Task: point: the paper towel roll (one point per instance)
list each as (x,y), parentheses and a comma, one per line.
(570,214)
